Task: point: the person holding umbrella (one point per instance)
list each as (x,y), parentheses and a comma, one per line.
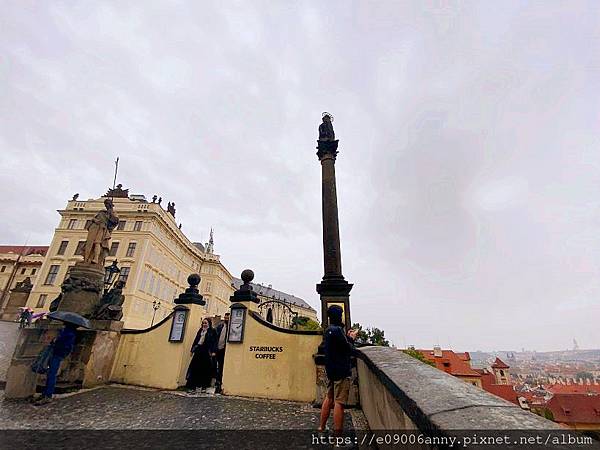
(62,346)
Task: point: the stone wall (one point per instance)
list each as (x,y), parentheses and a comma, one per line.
(398,392)
(89,364)
(272,362)
(147,357)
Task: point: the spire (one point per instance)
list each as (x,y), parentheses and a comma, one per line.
(210,245)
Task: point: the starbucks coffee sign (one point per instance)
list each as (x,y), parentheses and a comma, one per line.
(266,352)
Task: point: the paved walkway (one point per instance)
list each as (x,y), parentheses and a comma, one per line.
(134,408)
(8,338)
(161,419)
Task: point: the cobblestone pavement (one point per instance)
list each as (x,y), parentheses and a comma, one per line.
(130,408)
(8,339)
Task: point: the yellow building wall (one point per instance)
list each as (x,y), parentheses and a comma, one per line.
(158,268)
(30,264)
(149,359)
(288,375)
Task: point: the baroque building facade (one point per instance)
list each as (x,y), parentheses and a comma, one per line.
(154,256)
(19,266)
(268,294)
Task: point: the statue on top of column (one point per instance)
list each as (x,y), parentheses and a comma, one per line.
(326,132)
(98,237)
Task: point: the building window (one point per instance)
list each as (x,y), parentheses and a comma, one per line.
(131,249)
(113,249)
(41,301)
(33,271)
(51,278)
(87,224)
(23,271)
(208,286)
(72,224)
(80,248)
(62,248)
(2,269)
(151,286)
(124,274)
(143,281)
(121,225)
(137,226)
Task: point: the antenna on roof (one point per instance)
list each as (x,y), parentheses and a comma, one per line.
(115,178)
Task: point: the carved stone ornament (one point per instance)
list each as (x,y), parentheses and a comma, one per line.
(117,192)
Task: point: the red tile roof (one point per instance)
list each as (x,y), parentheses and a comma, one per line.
(24,249)
(572,388)
(499,364)
(575,408)
(451,363)
(505,391)
(532,399)
(464,356)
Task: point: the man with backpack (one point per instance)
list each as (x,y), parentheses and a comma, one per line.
(339,348)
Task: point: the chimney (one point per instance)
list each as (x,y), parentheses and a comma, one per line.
(437,351)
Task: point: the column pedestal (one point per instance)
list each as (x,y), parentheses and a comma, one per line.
(90,363)
(82,290)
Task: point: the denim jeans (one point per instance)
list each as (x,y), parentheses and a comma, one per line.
(51,376)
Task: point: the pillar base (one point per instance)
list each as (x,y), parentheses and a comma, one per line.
(90,363)
(335,290)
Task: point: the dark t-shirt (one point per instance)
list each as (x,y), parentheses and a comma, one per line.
(338,350)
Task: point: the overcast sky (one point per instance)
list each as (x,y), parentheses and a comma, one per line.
(469,164)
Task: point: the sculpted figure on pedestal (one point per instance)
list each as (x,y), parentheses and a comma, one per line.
(326,132)
(98,238)
(110,307)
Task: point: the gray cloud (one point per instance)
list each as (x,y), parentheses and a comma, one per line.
(467,177)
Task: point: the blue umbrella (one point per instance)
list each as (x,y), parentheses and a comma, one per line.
(70,317)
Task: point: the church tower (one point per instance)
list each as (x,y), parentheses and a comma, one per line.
(501,372)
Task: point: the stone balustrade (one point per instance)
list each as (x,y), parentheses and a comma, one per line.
(399,392)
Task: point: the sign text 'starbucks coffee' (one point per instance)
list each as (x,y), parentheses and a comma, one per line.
(265,352)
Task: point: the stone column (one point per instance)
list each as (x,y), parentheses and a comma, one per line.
(333,289)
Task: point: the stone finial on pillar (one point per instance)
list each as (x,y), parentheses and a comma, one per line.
(245,293)
(191,294)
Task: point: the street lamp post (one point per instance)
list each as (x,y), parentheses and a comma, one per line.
(110,274)
(155,306)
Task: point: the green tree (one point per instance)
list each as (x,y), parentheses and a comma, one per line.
(373,336)
(377,337)
(362,337)
(306,323)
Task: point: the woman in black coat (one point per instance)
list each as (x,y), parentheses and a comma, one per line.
(201,370)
